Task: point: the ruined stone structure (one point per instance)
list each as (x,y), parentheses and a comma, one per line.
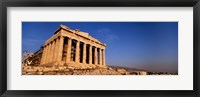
(27,60)
(37,57)
(73,47)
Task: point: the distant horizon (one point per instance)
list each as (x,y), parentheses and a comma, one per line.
(151,46)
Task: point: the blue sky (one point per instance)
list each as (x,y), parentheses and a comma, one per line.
(151,46)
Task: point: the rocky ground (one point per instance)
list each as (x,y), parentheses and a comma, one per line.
(75,70)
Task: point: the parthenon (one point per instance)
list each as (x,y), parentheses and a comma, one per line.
(73,47)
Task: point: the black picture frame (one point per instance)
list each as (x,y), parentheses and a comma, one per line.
(99,3)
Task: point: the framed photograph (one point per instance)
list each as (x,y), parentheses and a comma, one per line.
(100,48)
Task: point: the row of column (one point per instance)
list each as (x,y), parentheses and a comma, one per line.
(77,56)
(54,52)
(100,57)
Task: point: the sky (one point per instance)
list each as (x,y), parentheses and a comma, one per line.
(151,46)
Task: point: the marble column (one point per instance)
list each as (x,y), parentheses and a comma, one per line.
(95,55)
(100,56)
(69,44)
(55,50)
(42,59)
(43,55)
(49,53)
(90,54)
(46,54)
(77,59)
(84,53)
(60,49)
(52,51)
(104,57)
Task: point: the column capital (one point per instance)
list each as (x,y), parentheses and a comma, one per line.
(70,38)
(62,36)
(77,40)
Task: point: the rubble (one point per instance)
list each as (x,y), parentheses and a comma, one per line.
(72,70)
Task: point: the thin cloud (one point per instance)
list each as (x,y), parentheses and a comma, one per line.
(104,30)
(112,37)
(107,35)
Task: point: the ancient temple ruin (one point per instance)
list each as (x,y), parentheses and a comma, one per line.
(69,46)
